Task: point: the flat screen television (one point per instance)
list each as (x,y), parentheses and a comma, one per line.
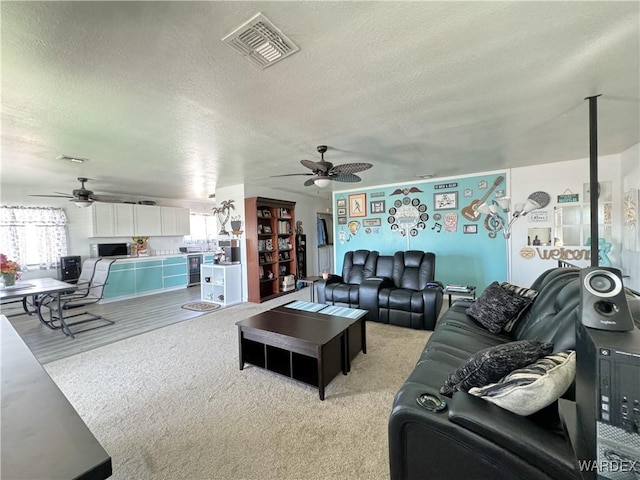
(112,249)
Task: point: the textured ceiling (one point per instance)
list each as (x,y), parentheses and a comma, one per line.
(161,107)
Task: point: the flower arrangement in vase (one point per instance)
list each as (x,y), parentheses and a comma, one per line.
(9,270)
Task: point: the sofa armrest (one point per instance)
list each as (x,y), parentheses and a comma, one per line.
(518,434)
(322,284)
(434,284)
(368,295)
(432,298)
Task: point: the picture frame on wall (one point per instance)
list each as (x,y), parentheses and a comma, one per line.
(342,211)
(445,201)
(358,205)
(470,228)
(372,222)
(377,206)
(341,202)
(342,220)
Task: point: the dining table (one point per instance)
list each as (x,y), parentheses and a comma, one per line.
(43,436)
(36,290)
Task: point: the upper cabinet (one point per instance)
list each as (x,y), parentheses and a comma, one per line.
(113,220)
(127,220)
(175,221)
(148,220)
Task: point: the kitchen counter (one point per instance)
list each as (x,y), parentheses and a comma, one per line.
(131,277)
(133,258)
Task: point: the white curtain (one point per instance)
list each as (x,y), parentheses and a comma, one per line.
(34,237)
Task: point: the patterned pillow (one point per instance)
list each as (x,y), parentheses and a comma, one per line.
(523,292)
(529,389)
(496,307)
(491,364)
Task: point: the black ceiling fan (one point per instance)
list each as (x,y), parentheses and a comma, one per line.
(82,196)
(324,172)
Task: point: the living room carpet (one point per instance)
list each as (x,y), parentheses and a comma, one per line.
(173,404)
(201,306)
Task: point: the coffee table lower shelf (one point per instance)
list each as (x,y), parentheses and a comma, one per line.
(314,365)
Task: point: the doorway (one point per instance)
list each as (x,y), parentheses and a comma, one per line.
(324,236)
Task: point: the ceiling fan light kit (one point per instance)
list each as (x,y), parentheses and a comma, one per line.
(325,172)
(322,182)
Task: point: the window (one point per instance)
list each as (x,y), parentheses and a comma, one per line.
(203,228)
(35,237)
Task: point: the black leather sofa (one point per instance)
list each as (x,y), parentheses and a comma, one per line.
(397,289)
(472,438)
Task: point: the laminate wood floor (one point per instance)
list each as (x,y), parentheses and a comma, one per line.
(131,317)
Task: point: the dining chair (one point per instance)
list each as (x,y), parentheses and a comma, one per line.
(90,294)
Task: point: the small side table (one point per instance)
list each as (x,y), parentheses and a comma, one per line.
(310,281)
(470,290)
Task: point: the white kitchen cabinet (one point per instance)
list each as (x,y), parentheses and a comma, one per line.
(112,219)
(148,220)
(169,226)
(103,219)
(123,220)
(221,284)
(175,221)
(127,220)
(183,221)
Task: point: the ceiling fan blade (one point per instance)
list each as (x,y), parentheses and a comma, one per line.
(105,198)
(291,174)
(317,166)
(52,196)
(346,177)
(351,168)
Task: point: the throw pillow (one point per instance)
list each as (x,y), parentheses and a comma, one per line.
(523,292)
(491,364)
(529,389)
(496,307)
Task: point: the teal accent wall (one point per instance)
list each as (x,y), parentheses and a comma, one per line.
(434,216)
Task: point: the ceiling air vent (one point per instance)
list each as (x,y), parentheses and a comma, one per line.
(261,42)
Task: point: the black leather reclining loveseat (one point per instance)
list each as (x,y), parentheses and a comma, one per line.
(397,289)
(472,438)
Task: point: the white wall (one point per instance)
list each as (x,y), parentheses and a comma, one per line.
(237,194)
(630,255)
(556,179)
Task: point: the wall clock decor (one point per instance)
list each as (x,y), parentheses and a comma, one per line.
(408,216)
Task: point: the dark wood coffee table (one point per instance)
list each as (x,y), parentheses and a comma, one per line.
(306,346)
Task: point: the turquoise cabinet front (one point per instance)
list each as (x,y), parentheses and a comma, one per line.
(174,272)
(169,270)
(120,282)
(148,276)
(175,281)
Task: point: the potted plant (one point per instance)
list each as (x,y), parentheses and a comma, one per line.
(236,223)
(9,270)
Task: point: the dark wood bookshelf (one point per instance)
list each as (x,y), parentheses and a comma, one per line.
(269,220)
